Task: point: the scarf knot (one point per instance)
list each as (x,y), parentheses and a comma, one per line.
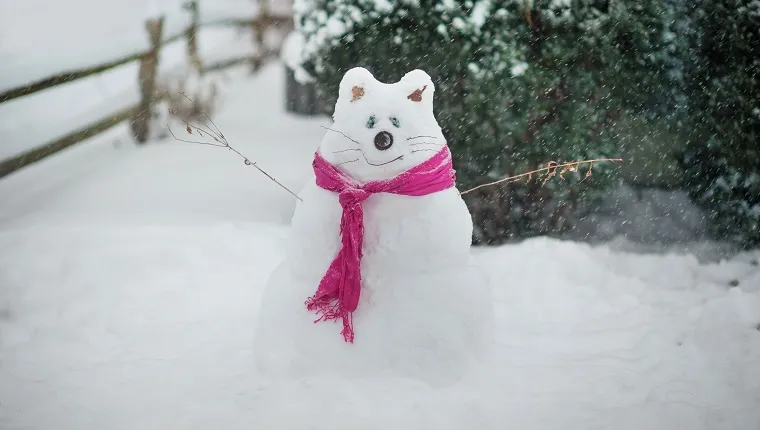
(337,295)
(351,197)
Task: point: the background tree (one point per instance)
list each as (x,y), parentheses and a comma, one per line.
(519,83)
(723,160)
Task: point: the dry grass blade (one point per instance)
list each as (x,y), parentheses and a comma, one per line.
(212,132)
(550,171)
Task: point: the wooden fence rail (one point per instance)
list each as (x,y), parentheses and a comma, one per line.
(149,60)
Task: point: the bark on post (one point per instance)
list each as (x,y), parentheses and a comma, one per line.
(147,80)
(192,32)
(260,25)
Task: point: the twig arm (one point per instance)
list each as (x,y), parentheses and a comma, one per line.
(551,171)
(220,141)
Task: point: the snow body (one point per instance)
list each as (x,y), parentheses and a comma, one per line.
(424,310)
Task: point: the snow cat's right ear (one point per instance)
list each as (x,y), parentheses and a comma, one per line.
(418,87)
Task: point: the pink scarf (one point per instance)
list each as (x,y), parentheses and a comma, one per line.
(338,293)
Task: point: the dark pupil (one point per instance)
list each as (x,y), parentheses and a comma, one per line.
(371,122)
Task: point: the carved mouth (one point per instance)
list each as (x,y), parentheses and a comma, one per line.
(400,157)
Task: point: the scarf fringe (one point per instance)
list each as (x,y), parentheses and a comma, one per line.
(330,310)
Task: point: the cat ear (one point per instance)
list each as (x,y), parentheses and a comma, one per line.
(418,87)
(354,85)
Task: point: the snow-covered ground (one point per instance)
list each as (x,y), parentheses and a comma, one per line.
(130,279)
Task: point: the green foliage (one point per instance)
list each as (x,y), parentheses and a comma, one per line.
(723,163)
(518,84)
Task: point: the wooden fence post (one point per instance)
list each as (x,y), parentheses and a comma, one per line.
(192,33)
(260,25)
(147,80)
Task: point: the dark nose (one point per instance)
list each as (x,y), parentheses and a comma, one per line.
(383,140)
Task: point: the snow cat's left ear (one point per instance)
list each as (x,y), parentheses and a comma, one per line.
(354,87)
(418,88)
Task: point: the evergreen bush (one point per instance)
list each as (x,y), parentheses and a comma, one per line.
(518,84)
(723,160)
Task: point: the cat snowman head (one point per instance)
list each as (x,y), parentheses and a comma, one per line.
(380,130)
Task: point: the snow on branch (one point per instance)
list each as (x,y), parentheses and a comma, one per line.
(212,136)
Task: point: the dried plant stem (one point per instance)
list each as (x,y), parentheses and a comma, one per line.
(212,131)
(551,170)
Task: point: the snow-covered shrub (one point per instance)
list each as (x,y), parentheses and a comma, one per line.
(519,83)
(723,162)
(292,55)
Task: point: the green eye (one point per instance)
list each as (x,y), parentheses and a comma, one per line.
(371,122)
(395,122)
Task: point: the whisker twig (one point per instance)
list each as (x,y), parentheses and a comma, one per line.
(551,170)
(346,150)
(426,143)
(340,132)
(420,150)
(346,162)
(417,137)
